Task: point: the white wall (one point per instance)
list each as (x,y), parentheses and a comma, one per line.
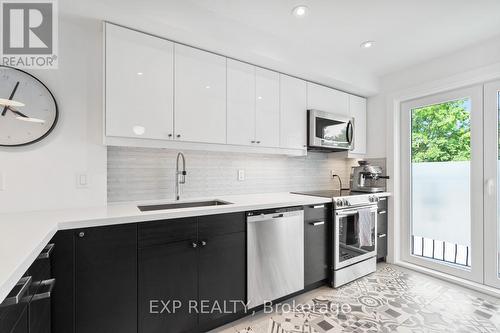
(43,175)
(464,63)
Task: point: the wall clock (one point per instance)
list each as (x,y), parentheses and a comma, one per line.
(28,110)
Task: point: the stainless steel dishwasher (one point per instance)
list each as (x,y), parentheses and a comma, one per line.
(275,254)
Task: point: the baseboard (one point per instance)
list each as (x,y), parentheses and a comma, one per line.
(450,278)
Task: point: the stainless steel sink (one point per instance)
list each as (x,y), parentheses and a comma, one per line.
(178,205)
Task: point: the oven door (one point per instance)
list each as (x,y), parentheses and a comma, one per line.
(353,243)
(331,131)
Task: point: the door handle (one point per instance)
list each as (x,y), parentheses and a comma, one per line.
(25,283)
(381,235)
(46,290)
(317,223)
(490,187)
(382,212)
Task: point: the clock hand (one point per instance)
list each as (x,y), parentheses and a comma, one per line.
(19,113)
(11,96)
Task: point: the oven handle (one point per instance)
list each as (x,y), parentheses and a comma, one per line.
(350,212)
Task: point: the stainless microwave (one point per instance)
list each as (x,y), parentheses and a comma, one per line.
(329,131)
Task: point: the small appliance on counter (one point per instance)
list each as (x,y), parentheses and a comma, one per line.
(367,178)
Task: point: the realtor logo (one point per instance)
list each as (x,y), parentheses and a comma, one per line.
(29,34)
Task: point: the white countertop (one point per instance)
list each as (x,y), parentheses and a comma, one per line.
(24,235)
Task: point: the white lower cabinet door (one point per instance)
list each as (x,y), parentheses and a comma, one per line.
(139,84)
(357,110)
(267,109)
(200,95)
(293,112)
(240,103)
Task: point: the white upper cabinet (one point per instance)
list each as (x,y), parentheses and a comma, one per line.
(357,110)
(200,96)
(267,108)
(240,103)
(139,84)
(327,99)
(293,113)
(252,105)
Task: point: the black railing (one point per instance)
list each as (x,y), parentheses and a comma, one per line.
(441,250)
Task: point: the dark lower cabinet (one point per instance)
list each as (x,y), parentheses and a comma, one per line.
(22,325)
(150,277)
(205,275)
(168,275)
(222,279)
(106,279)
(382,220)
(316,243)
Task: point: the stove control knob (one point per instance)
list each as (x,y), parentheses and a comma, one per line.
(370,198)
(347,203)
(339,202)
(375,198)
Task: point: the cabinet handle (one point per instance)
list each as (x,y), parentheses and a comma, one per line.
(382,212)
(317,223)
(317,206)
(382,199)
(81,234)
(203,243)
(194,245)
(24,283)
(46,290)
(381,235)
(47,250)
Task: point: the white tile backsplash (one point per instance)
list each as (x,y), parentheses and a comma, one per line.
(149,174)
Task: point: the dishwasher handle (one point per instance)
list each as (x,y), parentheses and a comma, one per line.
(260,216)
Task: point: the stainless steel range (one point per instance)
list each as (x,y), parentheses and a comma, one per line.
(354,234)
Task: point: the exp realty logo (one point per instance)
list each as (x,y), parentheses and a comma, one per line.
(29,34)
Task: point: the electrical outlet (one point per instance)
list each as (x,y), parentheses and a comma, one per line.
(82,180)
(241,175)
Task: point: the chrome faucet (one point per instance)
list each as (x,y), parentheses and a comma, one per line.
(180,175)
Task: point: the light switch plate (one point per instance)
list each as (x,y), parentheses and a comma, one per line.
(241,175)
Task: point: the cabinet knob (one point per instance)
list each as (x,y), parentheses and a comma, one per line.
(81,234)
(258,141)
(178,135)
(169,135)
(194,245)
(253,141)
(203,243)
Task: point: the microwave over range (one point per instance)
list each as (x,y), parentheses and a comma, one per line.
(329,131)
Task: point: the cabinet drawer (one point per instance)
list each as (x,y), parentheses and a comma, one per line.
(167,231)
(214,225)
(382,203)
(381,245)
(316,251)
(316,212)
(382,221)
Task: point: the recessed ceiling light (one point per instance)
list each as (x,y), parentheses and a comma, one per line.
(367,44)
(300,11)
(140,73)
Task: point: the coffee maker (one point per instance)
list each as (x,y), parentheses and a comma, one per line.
(367,178)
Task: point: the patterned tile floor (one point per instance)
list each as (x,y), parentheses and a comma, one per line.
(392,299)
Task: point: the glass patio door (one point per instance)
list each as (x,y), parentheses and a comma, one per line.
(491,184)
(442,182)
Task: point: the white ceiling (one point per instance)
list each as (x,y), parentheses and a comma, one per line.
(324,45)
